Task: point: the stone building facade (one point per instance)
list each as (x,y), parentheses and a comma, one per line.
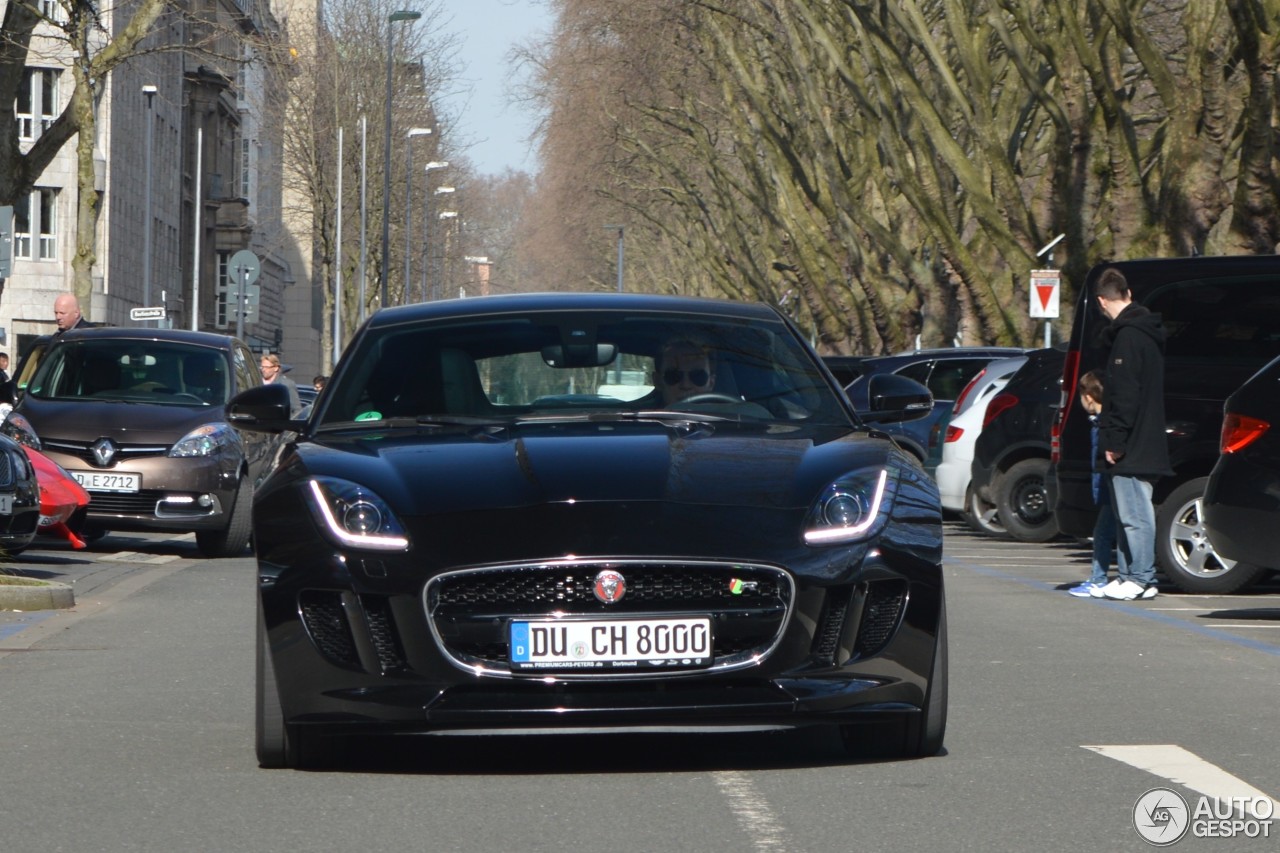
(208,178)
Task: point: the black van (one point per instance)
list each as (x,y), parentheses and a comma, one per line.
(1222,319)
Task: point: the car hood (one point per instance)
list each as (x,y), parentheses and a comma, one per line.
(126,423)
(723,465)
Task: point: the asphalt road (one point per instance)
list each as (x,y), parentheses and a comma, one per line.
(126,725)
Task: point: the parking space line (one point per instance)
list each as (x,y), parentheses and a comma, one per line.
(1183,767)
(752,811)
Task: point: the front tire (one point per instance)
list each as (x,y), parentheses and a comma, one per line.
(914,737)
(1185,552)
(271,733)
(1022,497)
(234,538)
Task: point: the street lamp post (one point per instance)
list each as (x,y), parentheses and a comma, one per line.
(402,15)
(444,216)
(364,211)
(150,92)
(337,267)
(426,223)
(408,205)
(621,229)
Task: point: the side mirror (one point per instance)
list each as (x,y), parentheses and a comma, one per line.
(264,408)
(895,399)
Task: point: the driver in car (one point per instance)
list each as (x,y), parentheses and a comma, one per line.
(686,369)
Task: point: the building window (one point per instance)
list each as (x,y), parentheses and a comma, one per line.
(48,224)
(224,291)
(52,11)
(37,103)
(246,165)
(36,214)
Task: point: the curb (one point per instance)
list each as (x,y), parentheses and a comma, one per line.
(39,595)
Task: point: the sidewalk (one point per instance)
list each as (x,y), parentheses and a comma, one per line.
(124,561)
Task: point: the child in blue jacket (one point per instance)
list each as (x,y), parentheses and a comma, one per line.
(1104,529)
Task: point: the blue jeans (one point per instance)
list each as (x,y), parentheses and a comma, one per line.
(1105,534)
(1136,519)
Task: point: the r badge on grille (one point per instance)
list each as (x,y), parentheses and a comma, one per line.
(610,586)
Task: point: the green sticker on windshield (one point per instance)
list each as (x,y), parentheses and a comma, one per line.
(369,416)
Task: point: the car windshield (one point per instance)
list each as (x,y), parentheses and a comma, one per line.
(588,365)
(133,371)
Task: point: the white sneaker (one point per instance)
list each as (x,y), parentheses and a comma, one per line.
(1149,592)
(1102,591)
(1123,591)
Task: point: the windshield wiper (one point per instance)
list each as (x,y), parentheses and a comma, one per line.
(664,415)
(458,420)
(410,422)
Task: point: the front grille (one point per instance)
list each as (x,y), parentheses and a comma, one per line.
(138,503)
(83,451)
(470,610)
(534,591)
(6,471)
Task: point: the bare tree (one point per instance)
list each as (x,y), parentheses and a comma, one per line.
(890,169)
(339,81)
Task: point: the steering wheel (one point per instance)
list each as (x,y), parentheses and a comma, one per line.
(708,397)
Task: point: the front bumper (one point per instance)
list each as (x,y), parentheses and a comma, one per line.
(178,494)
(371,663)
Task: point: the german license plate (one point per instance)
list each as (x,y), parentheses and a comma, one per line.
(6,504)
(104,481)
(640,644)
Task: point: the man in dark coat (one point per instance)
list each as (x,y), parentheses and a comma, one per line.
(1132,430)
(66,313)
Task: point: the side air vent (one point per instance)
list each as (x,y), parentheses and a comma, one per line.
(882,607)
(327,624)
(835,610)
(382,631)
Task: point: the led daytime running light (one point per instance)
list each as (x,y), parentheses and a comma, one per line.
(835,534)
(346,537)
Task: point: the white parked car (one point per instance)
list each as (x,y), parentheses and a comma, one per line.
(953,473)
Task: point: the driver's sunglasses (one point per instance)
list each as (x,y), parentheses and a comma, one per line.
(697,376)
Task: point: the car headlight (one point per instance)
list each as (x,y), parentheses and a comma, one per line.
(853,508)
(207,440)
(20,430)
(355,516)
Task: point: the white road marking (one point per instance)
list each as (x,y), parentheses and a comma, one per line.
(1177,765)
(751,809)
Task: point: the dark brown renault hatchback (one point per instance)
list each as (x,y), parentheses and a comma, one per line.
(137,416)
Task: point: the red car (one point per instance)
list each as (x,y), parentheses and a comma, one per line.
(63,501)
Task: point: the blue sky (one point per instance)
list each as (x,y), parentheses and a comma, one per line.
(487,29)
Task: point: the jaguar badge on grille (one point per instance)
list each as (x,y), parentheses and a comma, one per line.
(610,586)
